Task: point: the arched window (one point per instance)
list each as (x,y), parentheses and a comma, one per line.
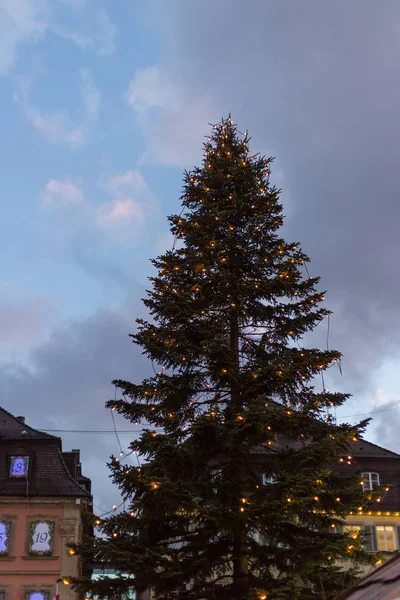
(370,481)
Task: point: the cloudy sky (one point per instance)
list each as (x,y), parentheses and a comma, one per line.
(102,106)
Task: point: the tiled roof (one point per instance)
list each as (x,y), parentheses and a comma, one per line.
(48,475)
(368,449)
(382,584)
(12,428)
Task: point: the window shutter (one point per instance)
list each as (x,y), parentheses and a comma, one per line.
(370,543)
(340,529)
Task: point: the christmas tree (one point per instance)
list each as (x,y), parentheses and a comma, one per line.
(236,496)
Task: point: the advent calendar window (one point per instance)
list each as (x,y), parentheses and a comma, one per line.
(5,528)
(19,466)
(41,539)
(37,595)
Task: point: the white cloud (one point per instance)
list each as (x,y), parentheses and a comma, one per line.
(91,96)
(79,21)
(62,193)
(131,200)
(172,118)
(55,126)
(20,21)
(118,184)
(120,211)
(152,88)
(380,398)
(93,30)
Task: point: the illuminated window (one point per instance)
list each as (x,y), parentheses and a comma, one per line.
(37,595)
(385,538)
(19,466)
(5,527)
(370,481)
(41,538)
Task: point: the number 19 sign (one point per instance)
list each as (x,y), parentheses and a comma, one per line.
(41,538)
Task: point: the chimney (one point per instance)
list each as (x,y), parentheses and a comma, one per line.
(22,419)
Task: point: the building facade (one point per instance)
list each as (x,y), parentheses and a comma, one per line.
(43,501)
(377,468)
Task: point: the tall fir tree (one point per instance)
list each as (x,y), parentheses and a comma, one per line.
(237,496)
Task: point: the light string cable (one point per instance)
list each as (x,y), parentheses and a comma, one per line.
(338,362)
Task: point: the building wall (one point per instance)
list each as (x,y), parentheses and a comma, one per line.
(374,519)
(21,571)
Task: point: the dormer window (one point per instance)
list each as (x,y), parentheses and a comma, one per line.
(266,479)
(370,481)
(19,466)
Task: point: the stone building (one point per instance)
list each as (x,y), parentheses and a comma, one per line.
(43,501)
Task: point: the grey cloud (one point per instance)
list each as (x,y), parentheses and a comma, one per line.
(71,381)
(316,84)
(23,320)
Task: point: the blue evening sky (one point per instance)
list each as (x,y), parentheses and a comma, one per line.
(104,103)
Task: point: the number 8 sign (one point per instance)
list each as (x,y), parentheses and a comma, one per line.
(41,538)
